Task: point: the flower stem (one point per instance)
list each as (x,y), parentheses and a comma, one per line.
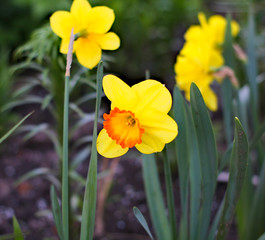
(65,195)
(65,185)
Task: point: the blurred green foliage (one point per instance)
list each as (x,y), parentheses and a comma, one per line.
(18,18)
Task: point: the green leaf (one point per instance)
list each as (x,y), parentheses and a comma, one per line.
(259,133)
(31,174)
(256,217)
(18,235)
(225,159)
(251,67)
(238,166)
(262,237)
(89,203)
(154,198)
(188,166)
(14,128)
(56,211)
(183,155)
(142,221)
(208,156)
(170,195)
(226,87)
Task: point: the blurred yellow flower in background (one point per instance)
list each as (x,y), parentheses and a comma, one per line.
(212,32)
(91,26)
(138,118)
(197,63)
(201,57)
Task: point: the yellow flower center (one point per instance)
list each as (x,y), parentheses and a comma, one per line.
(123,127)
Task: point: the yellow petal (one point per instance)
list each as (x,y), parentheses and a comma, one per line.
(119,93)
(202,20)
(158,125)
(79,10)
(88,52)
(100,19)
(62,23)
(108,41)
(150,144)
(210,98)
(235,28)
(152,94)
(108,147)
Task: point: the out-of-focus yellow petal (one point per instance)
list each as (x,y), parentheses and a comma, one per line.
(88,52)
(79,11)
(210,98)
(108,41)
(150,144)
(152,94)
(194,33)
(62,23)
(100,20)
(108,147)
(64,45)
(235,28)
(119,93)
(202,20)
(158,125)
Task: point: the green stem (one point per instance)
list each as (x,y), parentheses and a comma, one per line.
(170,197)
(65,197)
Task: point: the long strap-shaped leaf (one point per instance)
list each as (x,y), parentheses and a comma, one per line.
(256,218)
(155,199)
(208,156)
(182,153)
(14,128)
(142,220)
(226,87)
(18,235)
(89,203)
(238,166)
(188,167)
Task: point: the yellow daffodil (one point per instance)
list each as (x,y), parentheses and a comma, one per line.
(91,26)
(138,118)
(212,32)
(197,63)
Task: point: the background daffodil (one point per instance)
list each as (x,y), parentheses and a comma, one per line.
(211,31)
(91,26)
(138,118)
(198,63)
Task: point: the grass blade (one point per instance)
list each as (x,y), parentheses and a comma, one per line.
(89,203)
(18,235)
(142,221)
(238,166)
(154,198)
(56,211)
(14,128)
(208,156)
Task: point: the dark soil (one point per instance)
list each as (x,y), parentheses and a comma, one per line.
(30,201)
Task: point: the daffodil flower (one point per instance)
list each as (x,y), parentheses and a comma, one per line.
(198,63)
(91,26)
(211,31)
(138,118)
